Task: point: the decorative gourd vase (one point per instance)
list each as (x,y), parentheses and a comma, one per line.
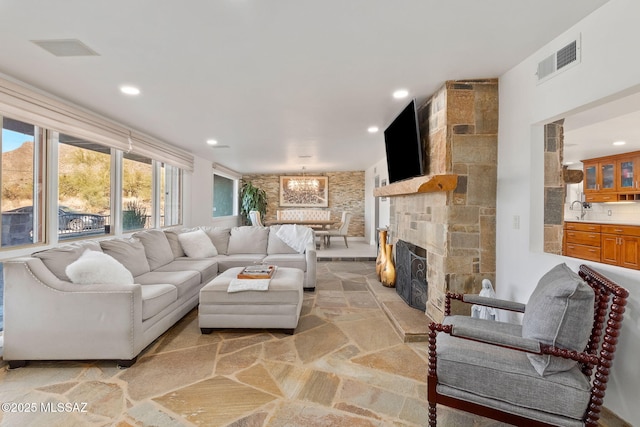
(381,260)
(388,276)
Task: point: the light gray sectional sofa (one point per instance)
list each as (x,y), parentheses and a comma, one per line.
(66,303)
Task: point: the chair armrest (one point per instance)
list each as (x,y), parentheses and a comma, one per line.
(512,342)
(497,338)
(485,301)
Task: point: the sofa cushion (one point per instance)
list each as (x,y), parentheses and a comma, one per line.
(185,281)
(129,252)
(559,313)
(226,262)
(156,298)
(248,240)
(208,268)
(196,244)
(276,245)
(172,237)
(219,237)
(57,259)
(98,267)
(287,260)
(156,247)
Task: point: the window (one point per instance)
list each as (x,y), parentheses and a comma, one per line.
(22,180)
(136,192)
(170,195)
(84,187)
(224,199)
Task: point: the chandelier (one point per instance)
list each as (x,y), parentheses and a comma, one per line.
(304,188)
(303,185)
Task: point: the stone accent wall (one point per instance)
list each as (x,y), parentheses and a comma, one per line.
(456,228)
(346,193)
(554,187)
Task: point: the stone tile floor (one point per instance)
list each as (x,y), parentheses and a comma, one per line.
(345,366)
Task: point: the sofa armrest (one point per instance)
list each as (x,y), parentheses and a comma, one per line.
(48,319)
(311,260)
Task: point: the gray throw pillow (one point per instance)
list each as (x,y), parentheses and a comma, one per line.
(156,247)
(559,313)
(219,237)
(57,259)
(129,252)
(248,240)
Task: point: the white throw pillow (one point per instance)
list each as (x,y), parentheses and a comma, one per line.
(196,244)
(98,267)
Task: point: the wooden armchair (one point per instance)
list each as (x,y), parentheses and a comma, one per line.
(530,374)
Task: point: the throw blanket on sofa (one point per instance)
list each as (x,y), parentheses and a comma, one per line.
(239,285)
(296,236)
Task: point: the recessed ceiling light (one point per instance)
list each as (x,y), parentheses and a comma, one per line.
(212,141)
(400,93)
(619,143)
(373,129)
(130,90)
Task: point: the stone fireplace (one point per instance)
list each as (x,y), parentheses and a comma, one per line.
(454,224)
(411,278)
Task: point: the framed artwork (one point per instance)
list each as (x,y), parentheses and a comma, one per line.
(304,191)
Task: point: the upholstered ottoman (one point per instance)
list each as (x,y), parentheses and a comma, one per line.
(278,307)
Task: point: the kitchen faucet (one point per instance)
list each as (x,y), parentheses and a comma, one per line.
(583,207)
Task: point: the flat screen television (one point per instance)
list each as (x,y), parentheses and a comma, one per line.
(404,146)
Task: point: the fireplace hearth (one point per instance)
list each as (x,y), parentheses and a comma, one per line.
(411,279)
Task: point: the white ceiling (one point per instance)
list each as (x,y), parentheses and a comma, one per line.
(272,79)
(591,133)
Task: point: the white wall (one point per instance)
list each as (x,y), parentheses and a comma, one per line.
(379,169)
(610,65)
(200,192)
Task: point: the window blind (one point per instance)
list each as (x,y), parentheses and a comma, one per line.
(22,103)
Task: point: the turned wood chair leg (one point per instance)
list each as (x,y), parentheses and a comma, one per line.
(432,415)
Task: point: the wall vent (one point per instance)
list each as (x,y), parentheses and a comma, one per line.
(561,60)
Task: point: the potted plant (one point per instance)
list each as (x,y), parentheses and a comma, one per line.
(252,199)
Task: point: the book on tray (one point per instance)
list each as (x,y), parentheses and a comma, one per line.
(260,271)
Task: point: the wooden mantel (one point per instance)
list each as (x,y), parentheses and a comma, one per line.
(421,184)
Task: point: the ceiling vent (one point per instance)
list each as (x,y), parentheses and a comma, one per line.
(561,60)
(66,47)
(218,146)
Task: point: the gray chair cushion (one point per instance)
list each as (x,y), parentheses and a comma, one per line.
(560,313)
(156,247)
(506,376)
(129,252)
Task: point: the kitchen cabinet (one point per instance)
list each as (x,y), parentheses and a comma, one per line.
(599,175)
(607,243)
(628,174)
(582,240)
(620,245)
(612,178)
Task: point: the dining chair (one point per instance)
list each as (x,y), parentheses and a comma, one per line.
(254,217)
(342,230)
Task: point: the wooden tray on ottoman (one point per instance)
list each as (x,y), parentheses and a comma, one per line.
(257,272)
